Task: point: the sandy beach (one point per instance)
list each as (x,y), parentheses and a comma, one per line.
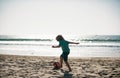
(12,66)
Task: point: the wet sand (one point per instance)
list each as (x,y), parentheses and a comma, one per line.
(12,66)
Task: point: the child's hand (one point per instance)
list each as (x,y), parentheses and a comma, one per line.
(77,43)
(53,46)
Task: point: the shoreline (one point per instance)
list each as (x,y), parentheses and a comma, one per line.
(73,57)
(14,66)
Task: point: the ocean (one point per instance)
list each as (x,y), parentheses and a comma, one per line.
(90,46)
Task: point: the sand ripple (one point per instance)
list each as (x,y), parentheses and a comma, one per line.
(42,67)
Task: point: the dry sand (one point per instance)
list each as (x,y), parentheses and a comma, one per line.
(42,67)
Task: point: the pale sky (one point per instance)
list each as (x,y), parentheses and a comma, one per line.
(70,17)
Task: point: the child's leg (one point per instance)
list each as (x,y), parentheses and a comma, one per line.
(68,66)
(61,61)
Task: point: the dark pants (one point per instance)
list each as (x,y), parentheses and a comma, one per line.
(64,55)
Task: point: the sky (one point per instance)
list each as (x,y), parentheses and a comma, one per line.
(52,17)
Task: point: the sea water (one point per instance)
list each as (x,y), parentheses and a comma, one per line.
(90,46)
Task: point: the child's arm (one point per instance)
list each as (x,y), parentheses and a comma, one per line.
(56,46)
(73,42)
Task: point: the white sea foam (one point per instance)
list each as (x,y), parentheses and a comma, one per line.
(94,46)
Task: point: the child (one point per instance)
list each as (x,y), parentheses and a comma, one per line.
(65,48)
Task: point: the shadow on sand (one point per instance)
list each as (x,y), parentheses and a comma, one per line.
(67,74)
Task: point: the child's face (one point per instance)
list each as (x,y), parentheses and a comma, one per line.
(57,39)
